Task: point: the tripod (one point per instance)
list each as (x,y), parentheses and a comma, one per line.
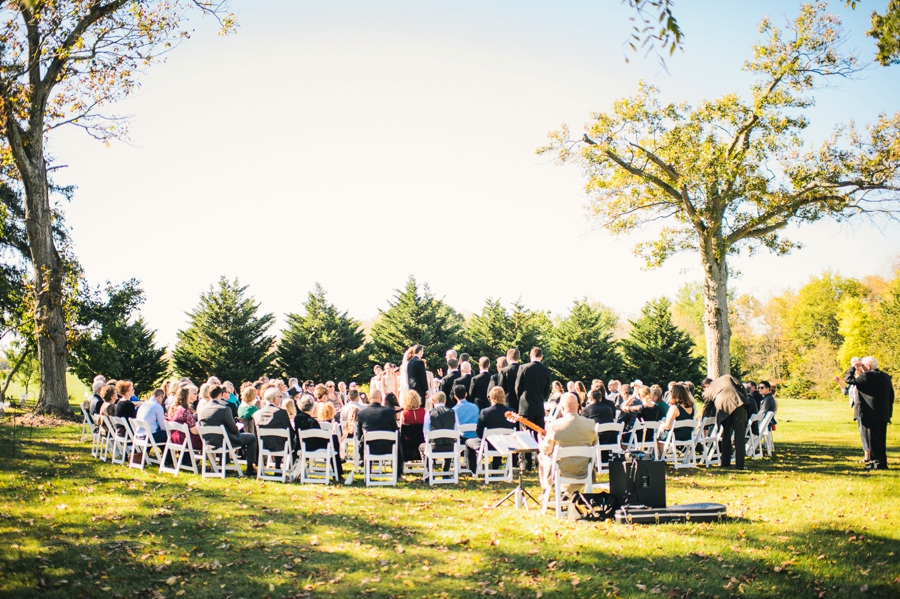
(519,493)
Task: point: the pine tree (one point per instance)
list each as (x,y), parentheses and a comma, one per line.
(225,337)
(582,344)
(415,317)
(496,330)
(322,344)
(656,351)
(107,339)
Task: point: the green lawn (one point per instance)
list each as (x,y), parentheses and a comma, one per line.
(809,523)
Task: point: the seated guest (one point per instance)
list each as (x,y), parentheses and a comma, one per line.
(152,412)
(230,397)
(180,412)
(681,407)
(376,417)
(306,420)
(412,421)
(492,417)
(661,405)
(124,407)
(248,403)
(466,411)
(352,400)
(108,407)
(272,416)
(391,401)
(613,394)
(439,418)
(598,410)
(96,400)
(569,430)
(203,397)
(768,404)
(216,412)
(556,391)
(320,393)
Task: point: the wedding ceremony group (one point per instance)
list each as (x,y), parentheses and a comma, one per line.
(612,307)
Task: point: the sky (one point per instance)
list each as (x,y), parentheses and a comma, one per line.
(355,144)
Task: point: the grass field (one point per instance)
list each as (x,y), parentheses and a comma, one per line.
(809,523)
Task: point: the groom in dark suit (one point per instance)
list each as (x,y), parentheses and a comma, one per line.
(506,378)
(415,373)
(533,389)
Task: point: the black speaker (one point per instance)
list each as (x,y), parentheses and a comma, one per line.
(638,482)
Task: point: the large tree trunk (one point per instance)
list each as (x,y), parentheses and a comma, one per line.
(715,318)
(50,326)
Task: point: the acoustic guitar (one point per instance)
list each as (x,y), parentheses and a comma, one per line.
(513,417)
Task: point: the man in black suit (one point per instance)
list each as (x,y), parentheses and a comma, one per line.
(876,407)
(495,378)
(215,412)
(507,379)
(465,378)
(449,380)
(478,388)
(376,417)
(492,417)
(533,389)
(96,400)
(271,415)
(415,373)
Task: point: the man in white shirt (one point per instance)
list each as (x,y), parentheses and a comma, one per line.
(151,412)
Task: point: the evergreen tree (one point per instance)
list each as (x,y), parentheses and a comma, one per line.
(496,330)
(582,344)
(107,339)
(225,337)
(322,344)
(415,317)
(656,351)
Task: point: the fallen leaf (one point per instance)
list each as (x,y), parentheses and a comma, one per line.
(171,580)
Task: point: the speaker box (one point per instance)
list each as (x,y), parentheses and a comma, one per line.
(638,482)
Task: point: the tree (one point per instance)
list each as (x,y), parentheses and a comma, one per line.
(656,351)
(731,175)
(496,330)
(814,316)
(225,337)
(62,62)
(886,32)
(415,317)
(886,322)
(582,343)
(109,339)
(321,344)
(20,353)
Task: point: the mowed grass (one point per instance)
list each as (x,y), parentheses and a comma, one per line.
(809,523)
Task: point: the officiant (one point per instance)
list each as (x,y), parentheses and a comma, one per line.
(491,417)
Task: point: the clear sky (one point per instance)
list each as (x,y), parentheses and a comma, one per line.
(356,143)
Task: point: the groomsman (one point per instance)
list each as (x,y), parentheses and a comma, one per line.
(465,378)
(478,389)
(533,389)
(449,380)
(507,379)
(415,373)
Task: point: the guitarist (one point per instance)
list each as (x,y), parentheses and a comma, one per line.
(569,430)
(532,390)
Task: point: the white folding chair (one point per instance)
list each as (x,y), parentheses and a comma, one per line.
(122,439)
(767,440)
(612,448)
(221,458)
(178,451)
(753,447)
(643,437)
(315,466)
(350,440)
(87,424)
(379,475)
(97,437)
(266,462)
(106,438)
(561,483)
(439,475)
(709,437)
(486,454)
(682,454)
(464,466)
(151,451)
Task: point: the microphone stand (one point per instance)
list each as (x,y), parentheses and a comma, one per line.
(520,495)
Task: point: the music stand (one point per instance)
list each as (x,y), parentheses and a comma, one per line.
(519,493)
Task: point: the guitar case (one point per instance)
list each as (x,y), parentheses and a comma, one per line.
(691,512)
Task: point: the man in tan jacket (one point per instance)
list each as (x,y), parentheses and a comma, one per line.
(569,430)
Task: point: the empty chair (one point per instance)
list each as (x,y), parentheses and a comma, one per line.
(608,445)
(767,440)
(709,436)
(178,453)
(561,482)
(317,455)
(375,465)
(487,453)
(464,466)
(275,463)
(221,458)
(87,423)
(439,475)
(752,443)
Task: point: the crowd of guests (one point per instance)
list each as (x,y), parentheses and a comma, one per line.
(413,401)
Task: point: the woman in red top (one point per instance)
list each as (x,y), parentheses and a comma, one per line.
(412,419)
(181,413)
